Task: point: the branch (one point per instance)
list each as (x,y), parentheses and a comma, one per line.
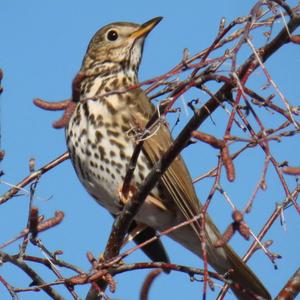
(36,279)
(13,191)
(291,288)
(148,283)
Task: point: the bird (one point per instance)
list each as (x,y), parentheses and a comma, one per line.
(101,135)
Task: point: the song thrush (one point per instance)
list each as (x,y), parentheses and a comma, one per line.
(101,139)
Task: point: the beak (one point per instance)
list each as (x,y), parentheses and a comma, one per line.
(145,28)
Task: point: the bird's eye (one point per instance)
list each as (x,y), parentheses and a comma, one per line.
(112,35)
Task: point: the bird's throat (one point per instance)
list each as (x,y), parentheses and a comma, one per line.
(106,78)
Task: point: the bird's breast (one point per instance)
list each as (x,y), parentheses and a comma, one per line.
(100,143)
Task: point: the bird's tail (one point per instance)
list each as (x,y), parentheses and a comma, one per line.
(245,284)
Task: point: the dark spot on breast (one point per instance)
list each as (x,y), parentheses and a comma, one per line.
(83,132)
(85,109)
(125,128)
(99,136)
(117,143)
(110,108)
(124,81)
(125,119)
(102,152)
(92,119)
(120,166)
(112,176)
(122,155)
(112,133)
(99,121)
(117,165)
(114,124)
(80,169)
(78,119)
(112,153)
(107,170)
(123,64)
(88,87)
(114,83)
(96,155)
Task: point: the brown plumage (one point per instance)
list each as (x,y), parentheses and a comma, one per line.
(101,137)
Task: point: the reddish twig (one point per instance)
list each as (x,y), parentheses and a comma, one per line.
(295,39)
(33,222)
(30,178)
(144,293)
(1,77)
(209,139)
(291,170)
(47,261)
(52,106)
(36,279)
(291,289)
(42,226)
(228,163)
(10,289)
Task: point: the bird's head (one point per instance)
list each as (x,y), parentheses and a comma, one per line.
(121,43)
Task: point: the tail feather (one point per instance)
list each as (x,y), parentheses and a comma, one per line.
(245,284)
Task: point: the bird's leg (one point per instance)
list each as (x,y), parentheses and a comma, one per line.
(150,199)
(124,198)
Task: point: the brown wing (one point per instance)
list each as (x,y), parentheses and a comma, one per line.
(176,180)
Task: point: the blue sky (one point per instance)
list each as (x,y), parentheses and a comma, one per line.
(42,45)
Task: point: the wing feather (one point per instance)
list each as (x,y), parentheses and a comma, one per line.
(176,180)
